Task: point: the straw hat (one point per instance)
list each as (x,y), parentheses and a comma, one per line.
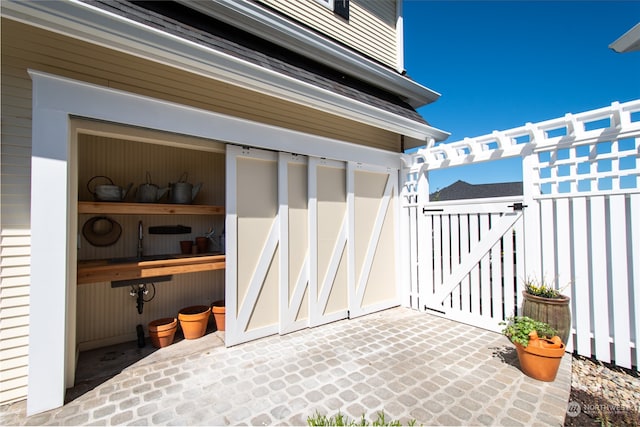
(101,231)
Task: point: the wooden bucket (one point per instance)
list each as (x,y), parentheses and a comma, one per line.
(554,311)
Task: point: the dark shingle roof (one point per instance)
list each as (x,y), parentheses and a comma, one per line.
(463,190)
(192,25)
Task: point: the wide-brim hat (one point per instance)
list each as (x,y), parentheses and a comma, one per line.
(101,231)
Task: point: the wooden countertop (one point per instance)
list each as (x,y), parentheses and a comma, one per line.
(94,271)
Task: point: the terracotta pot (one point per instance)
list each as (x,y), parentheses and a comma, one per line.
(202,243)
(162,331)
(219,311)
(554,311)
(193,321)
(540,363)
(186,246)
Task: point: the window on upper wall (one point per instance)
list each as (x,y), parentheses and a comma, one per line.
(339,7)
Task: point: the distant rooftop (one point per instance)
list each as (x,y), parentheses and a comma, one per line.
(463,190)
(629,41)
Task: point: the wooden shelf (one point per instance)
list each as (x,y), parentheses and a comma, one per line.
(147,209)
(96,271)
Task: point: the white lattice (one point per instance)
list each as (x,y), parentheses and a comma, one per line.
(616,122)
(608,165)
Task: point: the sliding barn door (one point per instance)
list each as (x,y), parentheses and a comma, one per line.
(252,282)
(328,241)
(294,242)
(373,249)
(309,241)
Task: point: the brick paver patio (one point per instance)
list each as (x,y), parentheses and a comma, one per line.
(411,365)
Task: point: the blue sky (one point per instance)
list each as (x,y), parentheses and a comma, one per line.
(501,64)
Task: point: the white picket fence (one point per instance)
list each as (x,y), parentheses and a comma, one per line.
(579,228)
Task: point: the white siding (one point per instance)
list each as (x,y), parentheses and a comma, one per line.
(371,28)
(26,47)
(14,307)
(14,233)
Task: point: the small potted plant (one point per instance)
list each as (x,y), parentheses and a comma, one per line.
(539,349)
(543,302)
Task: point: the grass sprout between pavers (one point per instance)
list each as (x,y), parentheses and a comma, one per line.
(342,420)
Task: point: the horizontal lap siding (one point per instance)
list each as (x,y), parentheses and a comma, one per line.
(14,303)
(75,59)
(370,28)
(15,238)
(25,47)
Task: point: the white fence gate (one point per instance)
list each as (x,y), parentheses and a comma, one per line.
(580,230)
(469,271)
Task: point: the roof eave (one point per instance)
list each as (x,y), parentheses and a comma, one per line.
(94,25)
(628,42)
(259,21)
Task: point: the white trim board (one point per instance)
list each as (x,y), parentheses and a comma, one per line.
(75,99)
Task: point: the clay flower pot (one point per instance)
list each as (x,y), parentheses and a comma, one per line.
(541,358)
(162,331)
(193,321)
(186,246)
(202,244)
(219,311)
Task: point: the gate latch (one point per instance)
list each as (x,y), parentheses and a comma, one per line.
(426,210)
(518,206)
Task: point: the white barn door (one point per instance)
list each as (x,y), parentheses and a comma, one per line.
(373,247)
(327,241)
(252,229)
(294,242)
(309,241)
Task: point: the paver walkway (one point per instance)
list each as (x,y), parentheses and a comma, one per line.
(411,365)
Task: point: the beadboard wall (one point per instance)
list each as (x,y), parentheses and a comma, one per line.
(109,315)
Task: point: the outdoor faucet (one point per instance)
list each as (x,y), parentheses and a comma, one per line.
(140,239)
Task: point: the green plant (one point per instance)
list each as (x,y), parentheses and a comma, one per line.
(541,289)
(518,329)
(341,420)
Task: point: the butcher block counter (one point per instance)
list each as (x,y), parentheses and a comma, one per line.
(106,270)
